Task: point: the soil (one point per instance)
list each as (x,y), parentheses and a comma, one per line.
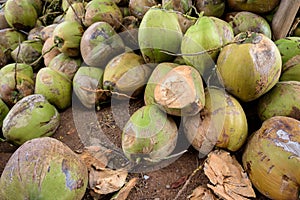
(160,184)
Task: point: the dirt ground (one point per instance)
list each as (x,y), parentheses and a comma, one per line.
(161,184)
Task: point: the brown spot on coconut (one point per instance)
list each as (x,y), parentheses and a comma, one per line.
(180,92)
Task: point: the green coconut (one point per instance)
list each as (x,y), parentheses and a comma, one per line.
(126,74)
(157,74)
(28,52)
(282,100)
(250,67)
(138,8)
(65,64)
(291,70)
(44,168)
(149,134)
(31,117)
(85,83)
(55,86)
(180,91)
(159,31)
(3,22)
(103,10)
(99,44)
(256,6)
(4,109)
(207,34)
(247,21)
(182,6)
(213,8)
(222,123)
(67,36)
(288,47)
(271,158)
(15,84)
(26,16)
(76,13)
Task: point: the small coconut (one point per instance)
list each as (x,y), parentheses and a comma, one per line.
(126,74)
(86,82)
(138,8)
(213,8)
(254,71)
(99,44)
(282,100)
(149,133)
(103,10)
(271,158)
(67,35)
(31,117)
(159,31)
(157,74)
(55,86)
(221,123)
(41,169)
(65,64)
(180,91)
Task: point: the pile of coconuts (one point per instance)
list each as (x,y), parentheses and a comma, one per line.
(207,67)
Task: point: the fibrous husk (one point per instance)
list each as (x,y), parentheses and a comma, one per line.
(180,92)
(227,178)
(271,158)
(157,74)
(202,193)
(99,44)
(31,117)
(282,100)
(65,64)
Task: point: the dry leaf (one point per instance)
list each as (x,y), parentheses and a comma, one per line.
(105,181)
(124,192)
(179,182)
(201,193)
(229,181)
(94,156)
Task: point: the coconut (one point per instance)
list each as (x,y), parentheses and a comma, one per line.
(185,21)
(126,74)
(103,10)
(86,82)
(31,117)
(99,44)
(15,84)
(247,21)
(288,47)
(221,123)
(44,168)
(206,34)
(282,100)
(3,22)
(26,17)
(47,32)
(291,70)
(254,71)
(76,13)
(180,92)
(138,8)
(214,8)
(182,6)
(159,31)
(49,51)
(35,33)
(157,74)
(55,86)
(4,109)
(67,36)
(65,64)
(149,134)
(271,158)
(29,52)
(256,6)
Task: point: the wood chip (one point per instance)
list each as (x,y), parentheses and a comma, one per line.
(124,192)
(229,181)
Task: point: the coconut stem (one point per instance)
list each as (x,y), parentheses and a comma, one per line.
(37,60)
(101,90)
